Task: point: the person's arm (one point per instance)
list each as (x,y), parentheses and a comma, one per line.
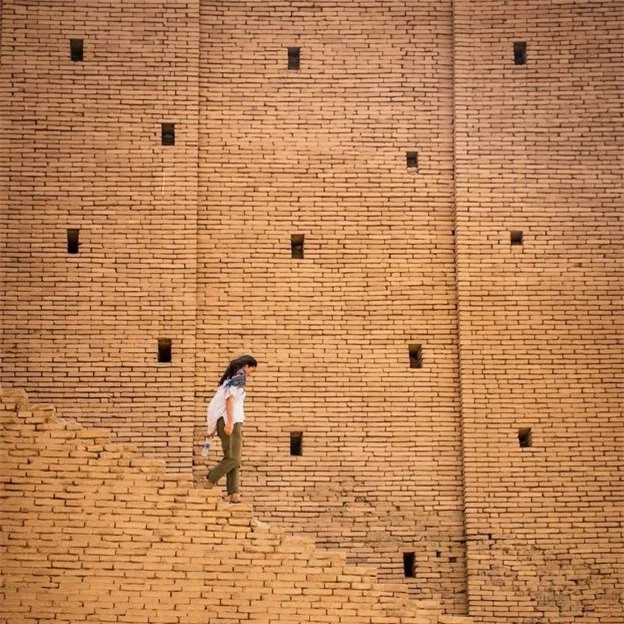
(229,415)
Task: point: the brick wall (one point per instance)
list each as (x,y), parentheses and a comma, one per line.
(86,154)
(93,532)
(538,151)
(192,242)
(320,152)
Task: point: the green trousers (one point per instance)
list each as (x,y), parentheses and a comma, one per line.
(232,446)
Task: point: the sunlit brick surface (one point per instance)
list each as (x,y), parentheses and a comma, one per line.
(414,225)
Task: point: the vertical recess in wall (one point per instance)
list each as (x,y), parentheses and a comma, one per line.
(294,58)
(164,350)
(296,443)
(525,437)
(167,134)
(296,246)
(516,238)
(76,50)
(415,356)
(520,52)
(73,243)
(409,564)
(411,159)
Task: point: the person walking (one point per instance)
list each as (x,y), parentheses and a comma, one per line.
(225,417)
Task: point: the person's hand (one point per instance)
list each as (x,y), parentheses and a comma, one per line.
(229,427)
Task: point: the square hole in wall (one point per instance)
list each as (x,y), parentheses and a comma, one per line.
(409,564)
(525,437)
(516,237)
(296,246)
(73,243)
(76,50)
(520,52)
(294,58)
(164,350)
(296,443)
(167,134)
(411,159)
(415,356)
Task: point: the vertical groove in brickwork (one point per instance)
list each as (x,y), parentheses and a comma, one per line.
(4,194)
(458,306)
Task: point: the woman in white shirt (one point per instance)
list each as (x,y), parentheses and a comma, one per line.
(226,417)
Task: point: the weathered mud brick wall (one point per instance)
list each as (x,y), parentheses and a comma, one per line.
(408,211)
(93,532)
(539,265)
(100,220)
(326,249)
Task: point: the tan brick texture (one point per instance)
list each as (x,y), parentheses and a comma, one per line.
(460,285)
(321,152)
(92,532)
(539,150)
(85,153)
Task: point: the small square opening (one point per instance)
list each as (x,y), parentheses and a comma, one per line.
(525,437)
(516,237)
(168,134)
(411,159)
(76,50)
(164,350)
(415,356)
(296,246)
(296,443)
(409,564)
(73,243)
(520,52)
(294,58)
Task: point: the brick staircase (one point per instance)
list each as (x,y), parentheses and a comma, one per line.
(93,532)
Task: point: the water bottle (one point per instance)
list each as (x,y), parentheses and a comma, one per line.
(206,448)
